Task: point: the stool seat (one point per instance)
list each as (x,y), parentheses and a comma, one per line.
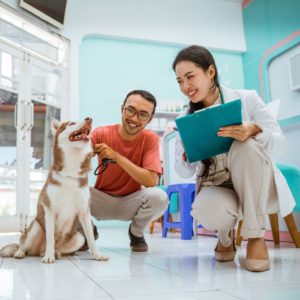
(186,195)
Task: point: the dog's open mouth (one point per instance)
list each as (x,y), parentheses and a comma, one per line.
(80,134)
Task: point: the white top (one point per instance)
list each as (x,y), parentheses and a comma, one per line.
(253,110)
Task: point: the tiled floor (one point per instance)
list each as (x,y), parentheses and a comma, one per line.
(172,269)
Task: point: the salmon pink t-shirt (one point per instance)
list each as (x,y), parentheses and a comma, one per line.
(143,152)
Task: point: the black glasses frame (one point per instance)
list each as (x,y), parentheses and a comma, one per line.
(138,113)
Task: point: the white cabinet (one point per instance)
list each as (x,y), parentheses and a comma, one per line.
(162,121)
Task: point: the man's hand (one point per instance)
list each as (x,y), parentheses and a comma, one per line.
(239,132)
(143,176)
(105,152)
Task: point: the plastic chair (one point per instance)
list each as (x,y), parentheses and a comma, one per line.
(292,176)
(179,189)
(186,195)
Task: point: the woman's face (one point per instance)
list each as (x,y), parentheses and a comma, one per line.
(193,81)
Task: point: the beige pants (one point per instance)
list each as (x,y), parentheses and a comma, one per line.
(253,194)
(141,207)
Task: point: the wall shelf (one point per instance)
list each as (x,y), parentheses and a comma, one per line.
(163,120)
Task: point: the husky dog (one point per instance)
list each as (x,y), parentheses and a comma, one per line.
(63,201)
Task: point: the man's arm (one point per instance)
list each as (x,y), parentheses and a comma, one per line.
(143,176)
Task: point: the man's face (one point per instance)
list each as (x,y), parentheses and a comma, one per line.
(136,114)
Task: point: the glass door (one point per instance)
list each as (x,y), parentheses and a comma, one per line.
(11,138)
(40,150)
(33,88)
(46,95)
(31,93)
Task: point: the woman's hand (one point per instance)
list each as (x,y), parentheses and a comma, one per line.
(239,132)
(105,152)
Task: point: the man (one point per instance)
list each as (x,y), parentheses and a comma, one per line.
(125,189)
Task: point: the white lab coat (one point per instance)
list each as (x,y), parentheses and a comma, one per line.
(253,110)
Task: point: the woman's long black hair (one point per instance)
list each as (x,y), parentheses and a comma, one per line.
(203,59)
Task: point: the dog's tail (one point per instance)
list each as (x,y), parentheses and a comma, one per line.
(9,250)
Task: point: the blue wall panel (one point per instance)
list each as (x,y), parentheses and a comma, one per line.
(111,67)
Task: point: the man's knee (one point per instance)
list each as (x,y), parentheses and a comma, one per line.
(157,199)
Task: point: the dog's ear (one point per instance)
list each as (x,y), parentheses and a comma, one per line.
(54,125)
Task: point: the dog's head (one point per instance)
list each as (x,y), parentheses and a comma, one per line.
(71,134)
(72,149)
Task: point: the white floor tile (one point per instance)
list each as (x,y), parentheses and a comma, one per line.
(119,266)
(275,293)
(70,286)
(172,269)
(9,238)
(143,285)
(210,295)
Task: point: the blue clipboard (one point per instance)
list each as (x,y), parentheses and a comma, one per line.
(198,131)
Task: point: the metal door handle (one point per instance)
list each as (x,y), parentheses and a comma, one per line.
(16,115)
(23,115)
(31,122)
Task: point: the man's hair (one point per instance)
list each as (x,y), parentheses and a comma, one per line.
(146,95)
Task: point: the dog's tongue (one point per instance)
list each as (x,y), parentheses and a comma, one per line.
(84,137)
(79,137)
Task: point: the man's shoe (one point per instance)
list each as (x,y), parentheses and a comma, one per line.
(137,244)
(85,246)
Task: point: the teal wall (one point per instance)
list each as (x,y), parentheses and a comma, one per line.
(266,23)
(111,67)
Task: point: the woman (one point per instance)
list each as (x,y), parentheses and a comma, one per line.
(243,183)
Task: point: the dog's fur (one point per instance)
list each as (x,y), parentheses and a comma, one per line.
(63,201)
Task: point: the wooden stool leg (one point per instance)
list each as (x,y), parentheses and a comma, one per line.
(239,238)
(151,227)
(275,228)
(290,223)
(171,220)
(161,221)
(152,224)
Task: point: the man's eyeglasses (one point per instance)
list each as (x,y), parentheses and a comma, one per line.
(142,115)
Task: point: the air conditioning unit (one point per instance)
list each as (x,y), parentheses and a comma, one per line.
(294,71)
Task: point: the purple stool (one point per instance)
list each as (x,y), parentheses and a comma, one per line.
(186,193)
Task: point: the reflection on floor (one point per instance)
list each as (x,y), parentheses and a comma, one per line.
(172,269)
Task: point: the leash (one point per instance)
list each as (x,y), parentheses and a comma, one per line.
(103,166)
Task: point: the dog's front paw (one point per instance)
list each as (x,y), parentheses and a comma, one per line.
(48,259)
(100,257)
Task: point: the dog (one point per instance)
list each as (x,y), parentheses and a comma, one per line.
(63,202)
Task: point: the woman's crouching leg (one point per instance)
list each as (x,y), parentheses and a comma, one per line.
(216,208)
